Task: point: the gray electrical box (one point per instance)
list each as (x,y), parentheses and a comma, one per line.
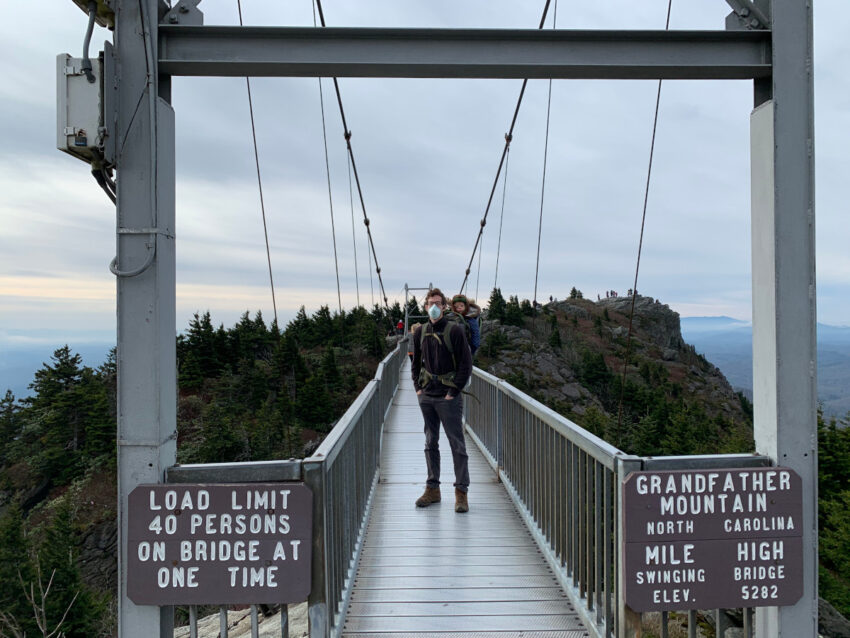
(80,129)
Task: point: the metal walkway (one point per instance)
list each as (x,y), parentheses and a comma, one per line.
(434,573)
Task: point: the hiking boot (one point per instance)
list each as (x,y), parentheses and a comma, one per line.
(461,503)
(430,495)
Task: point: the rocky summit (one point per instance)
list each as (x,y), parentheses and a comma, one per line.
(640,388)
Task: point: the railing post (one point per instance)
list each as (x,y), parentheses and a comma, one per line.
(499,428)
(317,603)
(628,621)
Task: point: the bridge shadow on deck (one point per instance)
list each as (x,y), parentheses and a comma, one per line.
(434,573)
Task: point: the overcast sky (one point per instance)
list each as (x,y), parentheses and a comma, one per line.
(427,152)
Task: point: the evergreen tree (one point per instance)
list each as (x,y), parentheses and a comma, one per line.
(646,437)
(555,338)
(219,441)
(100,425)
(413,307)
(57,559)
(330,371)
(313,404)
(200,343)
(575,293)
(678,437)
(526,308)
(58,411)
(396,313)
(513,313)
(596,422)
(323,327)
(496,305)
(10,424)
(299,328)
(16,570)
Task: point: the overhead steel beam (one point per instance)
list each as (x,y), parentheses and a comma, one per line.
(463,53)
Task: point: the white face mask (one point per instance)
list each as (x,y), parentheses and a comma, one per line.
(434,312)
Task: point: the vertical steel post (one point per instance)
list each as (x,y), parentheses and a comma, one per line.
(500,461)
(784,309)
(628,621)
(147,392)
(318,613)
(406,312)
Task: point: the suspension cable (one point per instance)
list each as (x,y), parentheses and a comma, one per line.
(478,276)
(640,245)
(371,280)
(542,190)
(542,195)
(508,137)
(328,173)
(501,218)
(347,134)
(353,233)
(259,180)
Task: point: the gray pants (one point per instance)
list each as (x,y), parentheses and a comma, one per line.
(436,409)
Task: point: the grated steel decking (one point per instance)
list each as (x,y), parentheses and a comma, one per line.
(434,573)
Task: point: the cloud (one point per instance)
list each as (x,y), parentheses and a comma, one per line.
(426,152)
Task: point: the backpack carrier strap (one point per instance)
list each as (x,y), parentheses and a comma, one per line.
(447,378)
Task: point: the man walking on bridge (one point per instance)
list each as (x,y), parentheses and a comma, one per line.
(442,364)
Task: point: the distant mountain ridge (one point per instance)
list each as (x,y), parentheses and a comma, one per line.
(727,343)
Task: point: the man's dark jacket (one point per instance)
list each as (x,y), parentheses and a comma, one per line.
(438,360)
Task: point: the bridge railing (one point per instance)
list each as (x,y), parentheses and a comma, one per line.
(565,483)
(342,474)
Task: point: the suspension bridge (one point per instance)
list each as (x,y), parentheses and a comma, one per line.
(542,551)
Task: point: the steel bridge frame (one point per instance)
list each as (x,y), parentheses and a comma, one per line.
(148,52)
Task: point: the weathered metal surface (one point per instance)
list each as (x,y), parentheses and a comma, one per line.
(463,53)
(434,570)
(702,539)
(219,544)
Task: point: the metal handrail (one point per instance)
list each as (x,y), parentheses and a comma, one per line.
(342,474)
(565,483)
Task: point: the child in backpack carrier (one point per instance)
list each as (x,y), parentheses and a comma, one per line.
(470,312)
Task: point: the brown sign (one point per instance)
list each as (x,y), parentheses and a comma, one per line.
(219,544)
(706,539)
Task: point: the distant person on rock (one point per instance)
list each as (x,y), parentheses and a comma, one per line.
(442,364)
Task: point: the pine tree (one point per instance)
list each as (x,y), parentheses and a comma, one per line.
(513,313)
(323,327)
(16,570)
(299,328)
(496,305)
(99,424)
(413,309)
(10,424)
(57,559)
(330,371)
(219,441)
(555,338)
(313,404)
(59,410)
(678,437)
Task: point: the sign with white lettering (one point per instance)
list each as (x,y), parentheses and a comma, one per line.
(707,539)
(219,544)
